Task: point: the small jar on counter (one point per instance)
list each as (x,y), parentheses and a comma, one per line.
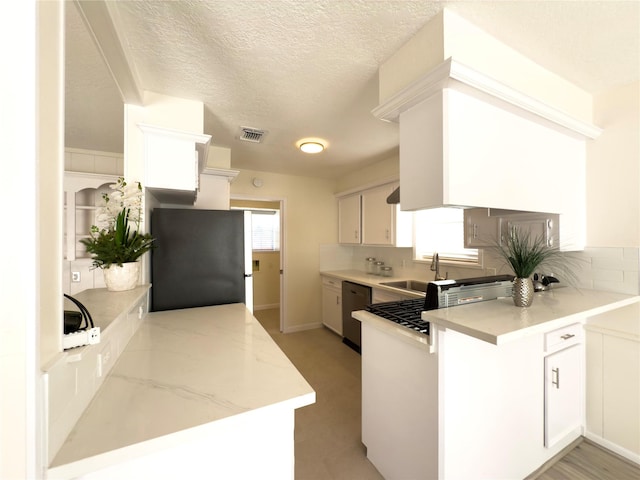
(386,271)
(377,269)
(369,264)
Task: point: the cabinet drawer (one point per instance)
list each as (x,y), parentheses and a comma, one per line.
(332,282)
(563,337)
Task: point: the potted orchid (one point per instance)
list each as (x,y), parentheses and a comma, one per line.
(116,242)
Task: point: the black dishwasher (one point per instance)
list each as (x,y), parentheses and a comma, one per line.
(354,297)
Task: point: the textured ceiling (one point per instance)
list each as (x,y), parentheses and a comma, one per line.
(298,68)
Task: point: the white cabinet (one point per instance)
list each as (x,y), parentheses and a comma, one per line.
(562,396)
(378,226)
(563,386)
(613,380)
(349,219)
(456,150)
(467,140)
(480,229)
(173,162)
(332,304)
(366,218)
(399,405)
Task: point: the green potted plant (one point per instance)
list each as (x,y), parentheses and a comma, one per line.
(116,243)
(525,256)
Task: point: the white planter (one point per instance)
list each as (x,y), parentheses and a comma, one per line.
(122,278)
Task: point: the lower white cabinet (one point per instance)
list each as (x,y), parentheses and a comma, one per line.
(562,394)
(332,304)
(613,381)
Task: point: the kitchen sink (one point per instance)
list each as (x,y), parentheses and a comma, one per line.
(413,285)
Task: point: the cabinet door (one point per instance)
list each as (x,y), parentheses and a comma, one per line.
(378,217)
(332,308)
(563,394)
(349,219)
(480,230)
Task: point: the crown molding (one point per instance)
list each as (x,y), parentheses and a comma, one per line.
(453,74)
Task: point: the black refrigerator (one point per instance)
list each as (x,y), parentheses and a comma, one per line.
(201,258)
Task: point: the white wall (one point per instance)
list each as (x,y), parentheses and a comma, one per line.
(613,170)
(25,292)
(311,219)
(387,169)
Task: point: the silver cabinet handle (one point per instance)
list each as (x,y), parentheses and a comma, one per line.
(567,336)
(556,372)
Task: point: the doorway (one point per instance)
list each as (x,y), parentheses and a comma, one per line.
(268,253)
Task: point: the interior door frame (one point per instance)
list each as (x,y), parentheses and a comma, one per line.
(283,263)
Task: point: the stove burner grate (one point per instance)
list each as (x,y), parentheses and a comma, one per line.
(405,312)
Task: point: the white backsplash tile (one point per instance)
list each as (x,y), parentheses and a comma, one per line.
(610,269)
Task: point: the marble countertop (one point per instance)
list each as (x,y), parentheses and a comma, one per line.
(499,321)
(183,369)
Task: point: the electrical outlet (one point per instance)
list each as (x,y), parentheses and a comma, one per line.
(75,277)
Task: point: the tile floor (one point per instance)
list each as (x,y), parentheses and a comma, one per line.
(327,433)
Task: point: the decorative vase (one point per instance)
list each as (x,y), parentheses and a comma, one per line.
(522,292)
(121,278)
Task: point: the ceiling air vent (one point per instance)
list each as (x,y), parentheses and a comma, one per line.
(252,135)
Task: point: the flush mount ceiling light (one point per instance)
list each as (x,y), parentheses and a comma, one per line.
(311,145)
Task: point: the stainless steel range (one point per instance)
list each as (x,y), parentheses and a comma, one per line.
(442,294)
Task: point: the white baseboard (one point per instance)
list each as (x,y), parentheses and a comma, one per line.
(302,328)
(623,452)
(266,307)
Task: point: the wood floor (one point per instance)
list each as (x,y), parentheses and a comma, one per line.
(588,461)
(327,434)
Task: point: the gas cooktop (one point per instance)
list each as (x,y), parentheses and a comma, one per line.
(405,312)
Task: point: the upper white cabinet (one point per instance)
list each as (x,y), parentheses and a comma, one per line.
(349,225)
(484,227)
(366,218)
(467,140)
(173,162)
(456,150)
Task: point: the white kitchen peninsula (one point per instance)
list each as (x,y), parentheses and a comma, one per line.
(485,395)
(196,390)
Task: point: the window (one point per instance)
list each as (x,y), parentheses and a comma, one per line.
(265,229)
(441,230)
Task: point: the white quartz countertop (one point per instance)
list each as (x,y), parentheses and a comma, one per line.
(623,322)
(499,321)
(373,281)
(182,370)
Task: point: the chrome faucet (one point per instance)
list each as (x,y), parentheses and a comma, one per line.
(435,267)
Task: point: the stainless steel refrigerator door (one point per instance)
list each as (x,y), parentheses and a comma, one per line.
(248,261)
